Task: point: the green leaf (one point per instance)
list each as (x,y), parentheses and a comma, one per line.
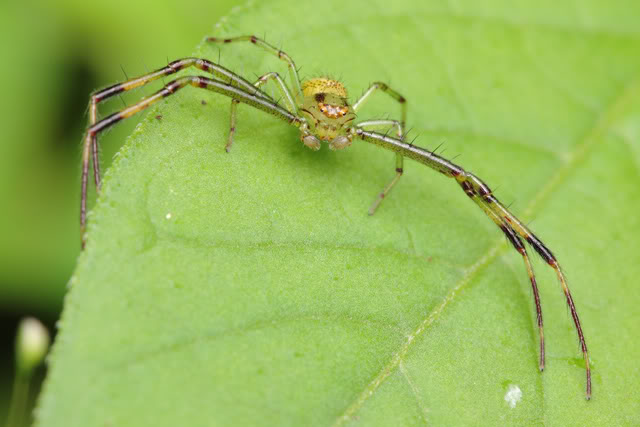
(251,288)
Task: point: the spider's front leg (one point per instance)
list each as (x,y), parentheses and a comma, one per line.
(482,196)
(252,96)
(90,146)
(511,226)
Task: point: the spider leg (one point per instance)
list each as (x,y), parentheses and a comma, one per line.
(254,98)
(516,241)
(516,225)
(480,193)
(284,90)
(399,125)
(171,68)
(282,86)
(399,158)
(383,87)
(293,72)
(536,296)
(232,124)
(383,123)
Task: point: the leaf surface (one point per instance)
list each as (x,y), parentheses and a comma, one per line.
(251,288)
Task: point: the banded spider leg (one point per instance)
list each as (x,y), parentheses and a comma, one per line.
(237,88)
(513,228)
(398,125)
(293,101)
(319,109)
(262,80)
(91,142)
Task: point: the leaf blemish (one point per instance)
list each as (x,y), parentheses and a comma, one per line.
(513,395)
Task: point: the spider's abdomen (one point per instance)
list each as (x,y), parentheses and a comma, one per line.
(323,85)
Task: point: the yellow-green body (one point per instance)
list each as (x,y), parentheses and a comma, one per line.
(327,111)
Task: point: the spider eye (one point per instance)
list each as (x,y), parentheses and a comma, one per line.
(332,111)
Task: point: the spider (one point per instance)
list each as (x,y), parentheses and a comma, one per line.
(318,107)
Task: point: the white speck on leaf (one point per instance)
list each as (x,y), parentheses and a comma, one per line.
(513,395)
(168,216)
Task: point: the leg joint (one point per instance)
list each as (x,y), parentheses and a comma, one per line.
(380,85)
(513,238)
(468,188)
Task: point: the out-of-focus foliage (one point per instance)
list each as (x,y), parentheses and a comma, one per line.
(53,55)
(251,288)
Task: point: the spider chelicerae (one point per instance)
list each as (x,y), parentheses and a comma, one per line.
(319,108)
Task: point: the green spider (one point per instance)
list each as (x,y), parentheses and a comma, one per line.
(318,107)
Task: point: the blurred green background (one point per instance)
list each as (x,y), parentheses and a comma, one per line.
(54,55)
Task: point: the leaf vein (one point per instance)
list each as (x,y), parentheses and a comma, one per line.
(416,393)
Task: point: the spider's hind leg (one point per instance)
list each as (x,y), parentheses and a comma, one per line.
(393,123)
(389,186)
(232,125)
(284,91)
(399,159)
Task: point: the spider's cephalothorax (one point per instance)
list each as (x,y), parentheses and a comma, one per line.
(319,109)
(327,114)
